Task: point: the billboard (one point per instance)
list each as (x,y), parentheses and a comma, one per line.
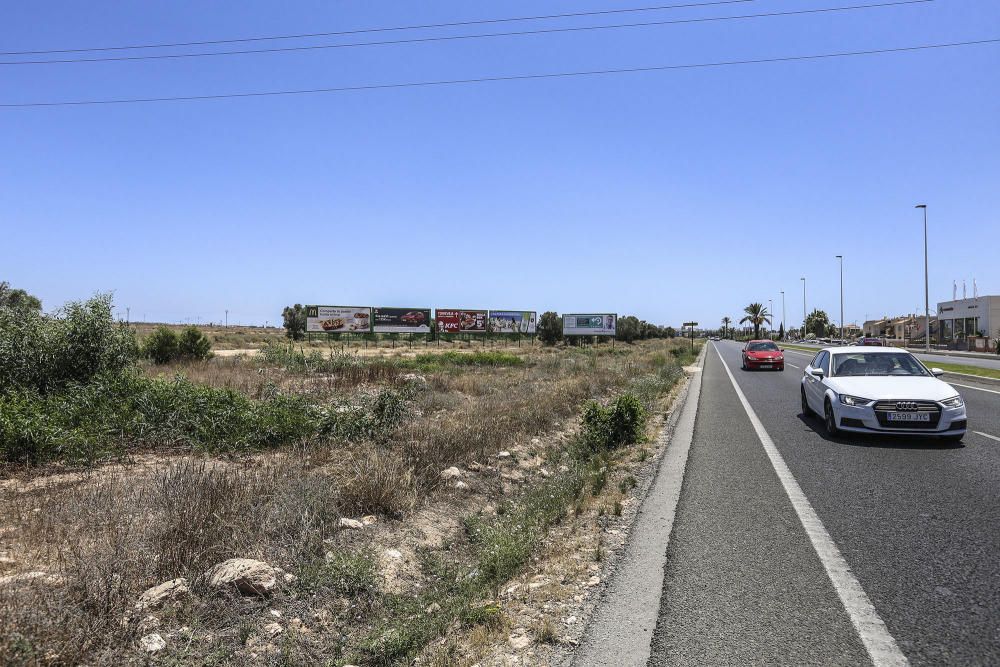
(401,320)
(513,321)
(589,324)
(338,319)
(461,321)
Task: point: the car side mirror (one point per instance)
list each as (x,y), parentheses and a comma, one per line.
(781,349)
(818,372)
(937,372)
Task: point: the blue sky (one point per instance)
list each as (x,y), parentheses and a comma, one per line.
(674,196)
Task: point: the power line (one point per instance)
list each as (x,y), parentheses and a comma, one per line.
(516,77)
(448,38)
(358,31)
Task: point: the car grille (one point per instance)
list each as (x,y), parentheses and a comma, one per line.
(882,408)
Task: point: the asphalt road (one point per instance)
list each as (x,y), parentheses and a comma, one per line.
(916,521)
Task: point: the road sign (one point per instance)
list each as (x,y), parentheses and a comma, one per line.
(690,324)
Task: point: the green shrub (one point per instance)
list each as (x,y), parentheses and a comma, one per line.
(193,344)
(76,344)
(620,423)
(162,346)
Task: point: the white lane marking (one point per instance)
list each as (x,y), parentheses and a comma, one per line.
(987,435)
(881,646)
(969,386)
(793,365)
(804,354)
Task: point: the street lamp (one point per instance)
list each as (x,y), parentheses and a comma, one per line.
(927,300)
(770,311)
(841,258)
(783,312)
(803,307)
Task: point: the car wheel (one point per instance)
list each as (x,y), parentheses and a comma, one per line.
(806,410)
(829,419)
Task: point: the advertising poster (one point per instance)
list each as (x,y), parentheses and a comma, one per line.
(401,320)
(589,324)
(461,321)
(338,319)
(512,321)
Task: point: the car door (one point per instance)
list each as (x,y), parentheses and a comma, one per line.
(815,388)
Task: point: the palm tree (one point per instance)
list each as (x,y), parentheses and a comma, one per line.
(756,314)
(726,321)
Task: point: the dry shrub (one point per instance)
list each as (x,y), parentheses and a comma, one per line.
(379,481)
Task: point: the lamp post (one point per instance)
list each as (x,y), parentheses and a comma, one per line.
(770,312)
(803,307)
(783,312)
(841,258)
(927,300)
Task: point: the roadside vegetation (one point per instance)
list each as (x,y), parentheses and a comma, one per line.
(393,496)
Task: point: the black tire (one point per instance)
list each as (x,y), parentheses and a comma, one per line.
(806,410)
(830,420)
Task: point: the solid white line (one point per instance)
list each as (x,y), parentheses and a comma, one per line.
(969,386)
(792,365)
(881,646)
(987,435)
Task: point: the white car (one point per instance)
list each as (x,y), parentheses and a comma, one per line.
(880,390)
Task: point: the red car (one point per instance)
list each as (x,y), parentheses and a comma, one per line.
(415,318)
(763,354)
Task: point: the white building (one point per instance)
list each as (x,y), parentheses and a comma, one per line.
(969,317)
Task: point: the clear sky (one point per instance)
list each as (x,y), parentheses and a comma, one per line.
(672,195)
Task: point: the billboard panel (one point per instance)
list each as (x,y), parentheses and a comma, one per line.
(461,321)
(401,320)
(513,321)
(338,319)
(590,324)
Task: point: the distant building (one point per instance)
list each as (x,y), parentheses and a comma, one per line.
(904,328)
(960,319)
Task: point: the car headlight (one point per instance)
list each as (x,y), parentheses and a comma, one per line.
(854,400)
(953,402)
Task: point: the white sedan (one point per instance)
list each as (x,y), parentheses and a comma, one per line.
(880,390)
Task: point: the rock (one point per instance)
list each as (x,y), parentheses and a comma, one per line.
(273,629)
(152,643)
(32,578)
(545,473)
(249,577)
(275,613)
(571,620)
(536,441)
(433,608)
(519,642)
(289,578)
(351,524)
(168,591)
(451,473)
(461,485)
(593,581)
(369,520)
(503,455)
(393,554)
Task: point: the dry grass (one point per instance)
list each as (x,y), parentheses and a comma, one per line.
(110,534)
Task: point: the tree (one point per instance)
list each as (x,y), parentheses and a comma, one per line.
(726,321)
(193,344)
(549,328)
(670,332)
(17,298)
(628,329)
(781,331)
(161,346)
(817,322)
(756,315)
(294,321)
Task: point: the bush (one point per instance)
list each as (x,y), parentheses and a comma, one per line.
(294,320)
(78,343)
(193,344)
(549,328)
(162,346)
(621,423)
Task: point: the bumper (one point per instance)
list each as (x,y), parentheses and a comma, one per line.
(769,364)
(952,421)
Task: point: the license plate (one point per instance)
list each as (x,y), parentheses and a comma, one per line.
(909,416)
(765,365)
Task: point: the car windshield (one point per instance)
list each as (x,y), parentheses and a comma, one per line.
(762,347)
(877,363)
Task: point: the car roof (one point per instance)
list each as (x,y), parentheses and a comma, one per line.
(867,349)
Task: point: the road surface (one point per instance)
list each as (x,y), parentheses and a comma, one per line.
(788,548)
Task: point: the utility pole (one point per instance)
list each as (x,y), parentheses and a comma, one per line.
(126,315)
(927,300)
(770,311)
(841,258)
(227,318)
(803,307)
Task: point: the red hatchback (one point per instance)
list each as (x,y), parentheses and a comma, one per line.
(763,354)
